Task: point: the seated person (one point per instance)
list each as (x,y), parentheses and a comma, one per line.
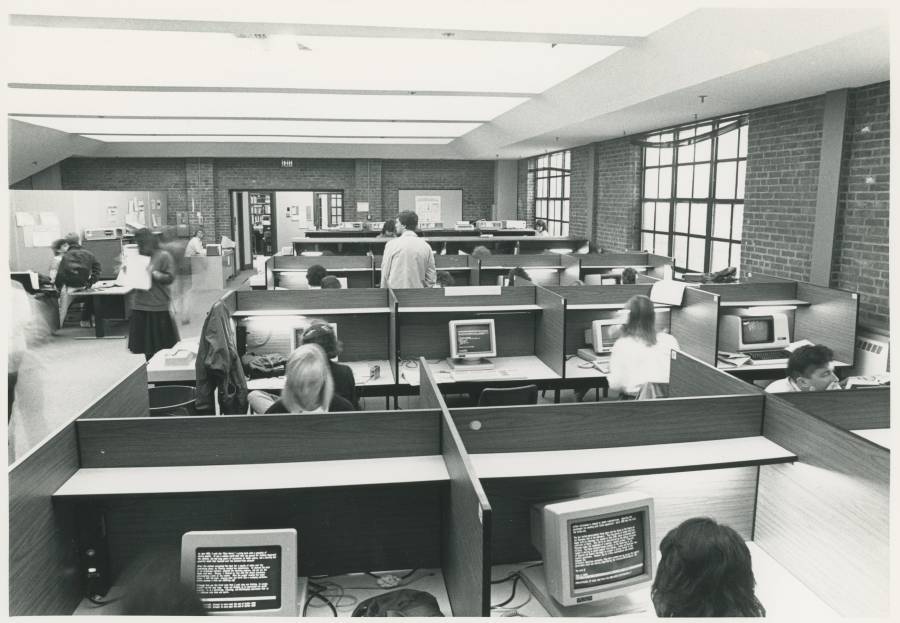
(330,282)
(704,571)
(629,276)
(516,273)
(481,251)
(641,356)
(808,370)
(444,280)
(308,386)
(389,229)
(321,333)
(540,227)
(314,276)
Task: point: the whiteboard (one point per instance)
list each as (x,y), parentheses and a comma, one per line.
(433,206)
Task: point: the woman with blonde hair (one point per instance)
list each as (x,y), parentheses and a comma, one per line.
(639,362)
(308,386)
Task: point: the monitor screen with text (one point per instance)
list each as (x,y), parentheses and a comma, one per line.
(607,549)
(473,339)
(239,579)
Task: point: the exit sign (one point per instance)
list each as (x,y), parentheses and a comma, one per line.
(286,164)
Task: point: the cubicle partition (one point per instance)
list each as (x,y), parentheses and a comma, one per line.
(689,376)
(289,271)
(606,268)
(695,324)
(865,412)
(826,518)
(829,318)
(450,245)
(463,268)
(544,270)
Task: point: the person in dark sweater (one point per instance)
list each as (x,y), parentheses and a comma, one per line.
(308,386)
(152,326)
(321,333)
(314,275)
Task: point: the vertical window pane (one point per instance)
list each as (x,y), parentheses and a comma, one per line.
(742,146)
(728,144)
(566,182)
(542,187)
(680,250)
(555,186)
(701,181)
(686,153)
(681,218)
(741,178)
(665,182)
(565,210)
(703,150)
(737,223)
(665,156)
(651,157)
(661,246)
(540,208)
(647,218)
(696,254)
(735,255)
(651,177)
(565,229)
(722,221)
(568,159)
(684,181)
(556,160)
(646,242)
(719,257)
(543,162)
(698,219)
(725,179)
(662,216)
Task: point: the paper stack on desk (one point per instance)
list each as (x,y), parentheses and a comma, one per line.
(733,359)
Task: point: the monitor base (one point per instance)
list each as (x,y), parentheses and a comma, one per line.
(470,364)
(634,602)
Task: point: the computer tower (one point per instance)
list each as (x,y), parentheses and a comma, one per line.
(108,252)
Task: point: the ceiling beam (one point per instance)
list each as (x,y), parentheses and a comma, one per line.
(319,30)
(208,118)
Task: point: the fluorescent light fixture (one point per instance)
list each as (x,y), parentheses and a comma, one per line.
(287,128)
(258,105)
(160,58)
(180,138)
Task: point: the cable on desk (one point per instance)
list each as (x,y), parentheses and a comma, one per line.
(512,595)
(513,611)
(517,572)
(316,593)
(98,602)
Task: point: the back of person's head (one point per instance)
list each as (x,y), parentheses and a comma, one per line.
(704,571)
(629,275)
(810,367)
(308,384)
(320,332)
(146,241)
(389,228)
(641,323)
(481,251)
(153,588)
(445,279)
(517,273)
(315,274)
(330,282)
(409,219)
(59,246)
(72,239)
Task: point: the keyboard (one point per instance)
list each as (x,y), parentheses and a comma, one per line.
(767,355)
(463,376)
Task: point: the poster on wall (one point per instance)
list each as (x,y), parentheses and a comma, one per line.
(428,207)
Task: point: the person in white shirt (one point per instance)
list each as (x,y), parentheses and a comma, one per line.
(540,226)
(408,260)
(195,245)
(641,355)
(809,369)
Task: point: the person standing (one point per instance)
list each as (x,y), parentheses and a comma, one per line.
(77,269)
(59,249)
(195,245)
(408,260)
(152,326)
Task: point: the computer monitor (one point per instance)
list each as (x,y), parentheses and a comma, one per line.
(593,548)
(746,333)
(603,334)
(297,334)
(471,341)
(242,571)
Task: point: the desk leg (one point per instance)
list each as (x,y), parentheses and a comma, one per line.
(99,317)
(556,396)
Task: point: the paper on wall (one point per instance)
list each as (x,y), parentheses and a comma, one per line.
(362,206)
(41,235)
(24,219)
(428,207)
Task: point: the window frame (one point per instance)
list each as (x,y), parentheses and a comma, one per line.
(554,209)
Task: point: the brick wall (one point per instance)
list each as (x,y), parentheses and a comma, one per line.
(783,154)
(524,193)
(474,177)
(617,216)
(579,201)
(861,236)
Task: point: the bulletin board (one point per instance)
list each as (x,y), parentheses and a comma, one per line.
(433,206)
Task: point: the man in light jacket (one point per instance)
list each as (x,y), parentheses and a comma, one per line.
(408,260)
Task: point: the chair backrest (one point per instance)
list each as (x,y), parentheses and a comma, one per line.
(498,396)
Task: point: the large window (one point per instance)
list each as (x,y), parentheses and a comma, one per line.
(336,209)
(693,193)
(552,181)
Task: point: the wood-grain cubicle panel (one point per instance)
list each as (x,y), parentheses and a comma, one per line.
(656,264)
(44,578)
(753,290)
(217,440)
(695,324)
(825,518)
(600,295)
(602,260)
(466,512)
(543,269)
(427,334)
(571,271)
(576,426)
(393,341)
(462,268)
(229,300)
(265,300)
(688,376)
(126,399)
(851,410)
(830,319)
(356,268)
(549,336)
(443,297)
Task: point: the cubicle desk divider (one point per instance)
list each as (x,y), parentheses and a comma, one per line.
(830,319)
(545,269)
(451,245)
(289,271)
(749,291)
(695,324)
(463,268)
(466,512)
(826,519)
(605,263)
(861,409)
(688,376)
(549,335)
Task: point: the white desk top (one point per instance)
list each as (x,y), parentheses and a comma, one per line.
(598,306)
(881,436)
(781,594)
(575,371)
(763,365)
(101,288)
(656,457)
(253,476)
(468,308)
(762,303)
(524,368)
(360,375)
(332,311)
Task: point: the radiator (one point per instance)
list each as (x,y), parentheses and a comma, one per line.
(871,355)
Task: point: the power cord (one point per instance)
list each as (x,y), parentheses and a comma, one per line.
(316,593)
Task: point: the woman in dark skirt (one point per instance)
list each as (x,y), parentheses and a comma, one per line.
(153,327)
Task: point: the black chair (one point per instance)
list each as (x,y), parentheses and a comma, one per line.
(499,396)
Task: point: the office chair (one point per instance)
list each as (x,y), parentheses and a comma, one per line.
(499,396)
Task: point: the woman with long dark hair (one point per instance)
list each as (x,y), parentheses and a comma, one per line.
(152,326)
(704,570)
(640,355)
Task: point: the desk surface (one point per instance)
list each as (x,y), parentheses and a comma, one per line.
(360,375)
(782,594)
(713,454)
(881,436)
(763,365)
(525,368)
(101,288)
(575,371)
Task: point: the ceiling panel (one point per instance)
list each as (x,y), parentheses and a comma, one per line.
(178,138)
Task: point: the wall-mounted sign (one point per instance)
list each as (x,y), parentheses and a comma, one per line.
(286,164)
